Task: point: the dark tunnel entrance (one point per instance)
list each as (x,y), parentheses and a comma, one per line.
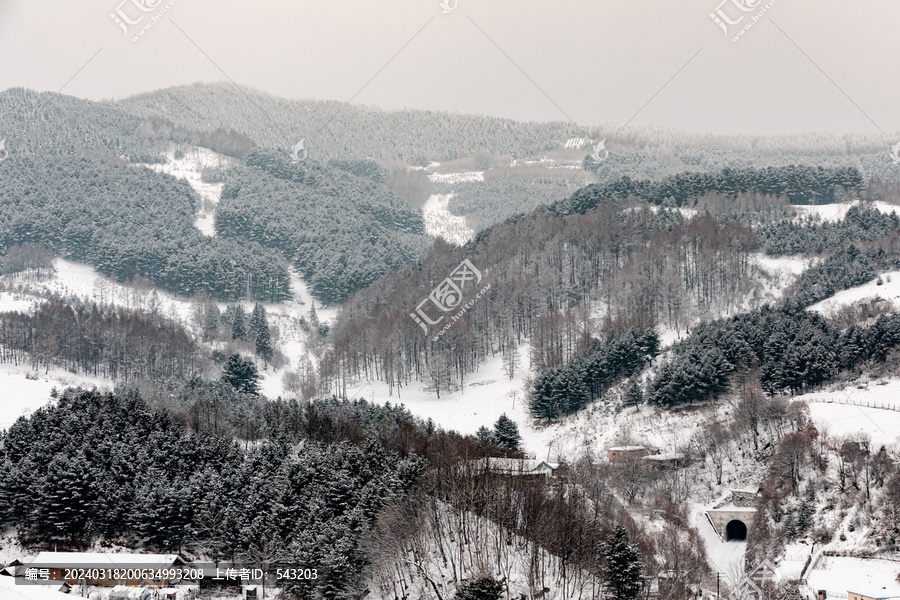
(735,530)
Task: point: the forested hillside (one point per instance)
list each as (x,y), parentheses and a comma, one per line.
(801,185)
(128,221)
(588,268)
(106,465)
(793,351)
(115,344)
(340,230)
(51,124)
(548,276)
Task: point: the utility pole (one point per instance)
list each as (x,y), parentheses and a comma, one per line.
(717,585)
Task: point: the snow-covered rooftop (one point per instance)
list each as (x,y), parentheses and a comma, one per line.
(10,590)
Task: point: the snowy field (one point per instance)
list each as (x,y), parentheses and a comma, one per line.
(489,393)
(14,302)
(866,576)
(781,271)
(440,222)
(882,426)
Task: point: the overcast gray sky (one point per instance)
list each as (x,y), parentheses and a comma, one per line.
(824,65)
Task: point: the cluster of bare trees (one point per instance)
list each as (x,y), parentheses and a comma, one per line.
(547,275)
(28,259)
(109,343)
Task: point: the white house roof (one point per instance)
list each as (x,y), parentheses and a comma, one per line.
(512,465)
(103,559)
(627,448)
(665,456)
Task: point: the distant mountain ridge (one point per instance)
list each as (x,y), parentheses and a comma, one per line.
(337,130)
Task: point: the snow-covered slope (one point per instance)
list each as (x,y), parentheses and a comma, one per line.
(871,409)
(440,222)
(889,290)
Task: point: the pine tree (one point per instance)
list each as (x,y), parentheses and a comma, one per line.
(259,328)
(623,566)
(633,395)
(241,374)
(239,324)
(257,317)
(506,433)
(264,344)
(211,322)
(485,435)
(65,497)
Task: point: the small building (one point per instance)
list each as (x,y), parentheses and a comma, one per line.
(107,569)
(667,460)
(515,467)
(623,453)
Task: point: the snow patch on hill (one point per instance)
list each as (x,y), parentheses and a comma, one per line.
(440,222)
(780,272)
(466,177)
(837,211)
(190,167)
(23,390)
(889,290)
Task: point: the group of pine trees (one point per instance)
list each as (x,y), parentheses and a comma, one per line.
(253,328)
(800,184)
(95,464)
(567,389)
(793,350)
(505,434)
(341,231)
